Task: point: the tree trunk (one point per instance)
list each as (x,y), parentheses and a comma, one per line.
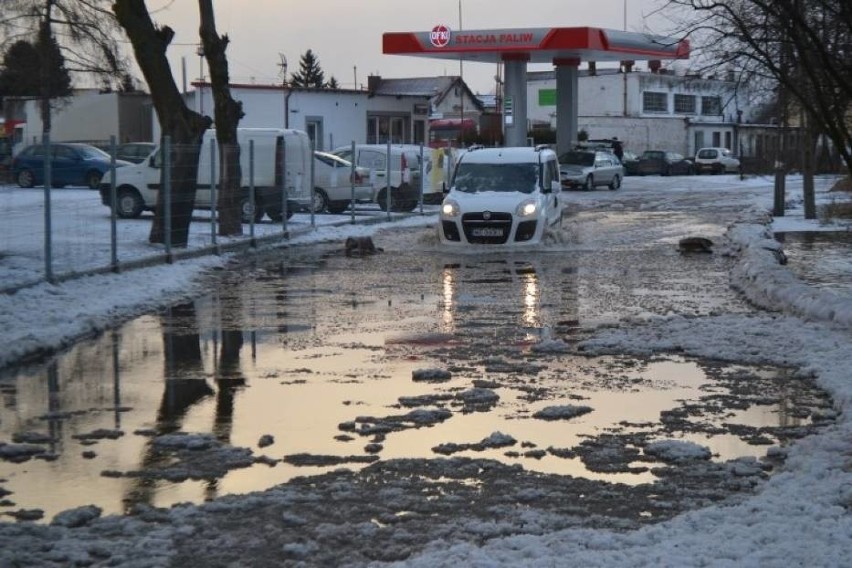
(808,193)
(185,127)
(228,113)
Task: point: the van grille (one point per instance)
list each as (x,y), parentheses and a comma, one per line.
(492,231)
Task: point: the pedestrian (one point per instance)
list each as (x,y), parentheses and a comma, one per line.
(617,148)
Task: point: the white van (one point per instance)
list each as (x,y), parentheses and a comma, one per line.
(502,196)
(405,172)
(137,186)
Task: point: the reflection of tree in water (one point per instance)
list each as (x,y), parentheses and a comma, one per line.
(185,385)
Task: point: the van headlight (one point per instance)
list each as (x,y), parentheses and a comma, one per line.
(527,208)
(450,208)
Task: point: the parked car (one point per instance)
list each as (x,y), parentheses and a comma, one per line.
(135,152)
(664,163)
(335,184)
(501,196)
(716,161)
(630,161)
(589,169)
(70,164)
(404,172)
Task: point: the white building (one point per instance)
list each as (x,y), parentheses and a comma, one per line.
(332,117)
(654,110)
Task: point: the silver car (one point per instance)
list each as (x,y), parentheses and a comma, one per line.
(589,169)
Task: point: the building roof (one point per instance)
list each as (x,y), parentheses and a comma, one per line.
(433,88)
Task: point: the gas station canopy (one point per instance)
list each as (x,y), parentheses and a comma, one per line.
(534,45)
(564,48)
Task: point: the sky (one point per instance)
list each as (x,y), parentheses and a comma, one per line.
(346,35)
(796,518)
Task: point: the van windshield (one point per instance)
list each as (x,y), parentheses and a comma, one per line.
(473,178)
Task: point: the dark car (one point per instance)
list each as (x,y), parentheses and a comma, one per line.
(134,152)
(664,163)
(70,164)
(630,161)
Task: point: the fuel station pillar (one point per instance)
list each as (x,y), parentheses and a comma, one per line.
(567,103)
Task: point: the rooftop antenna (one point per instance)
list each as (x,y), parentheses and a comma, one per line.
(282,68)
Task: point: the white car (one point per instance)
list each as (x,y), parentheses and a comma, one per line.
(716,161)
(403,176)
(336,184)
(502,196)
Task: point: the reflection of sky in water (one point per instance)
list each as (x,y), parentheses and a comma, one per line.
(823,259)
(296,356)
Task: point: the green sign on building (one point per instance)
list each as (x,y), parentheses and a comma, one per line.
(547,97)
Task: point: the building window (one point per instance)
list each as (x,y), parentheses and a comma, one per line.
(382,128)
(655,102)
(711,106)
(684,104)
(717,139)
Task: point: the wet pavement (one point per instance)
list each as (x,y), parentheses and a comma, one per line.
(305,361)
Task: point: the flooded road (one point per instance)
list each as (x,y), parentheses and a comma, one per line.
(305,361)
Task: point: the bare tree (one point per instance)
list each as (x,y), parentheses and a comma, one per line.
(184,126)
(802,50)
(84,31)
(228,113)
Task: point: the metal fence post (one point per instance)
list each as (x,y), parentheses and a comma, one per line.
(388,180)
(313,173)
(252,198)
(167,196)
(48,228)
(213,210)
(113,229)
(422,179)
(284,185)
(352,185)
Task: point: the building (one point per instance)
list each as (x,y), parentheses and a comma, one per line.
(395,110)
(88,116)
(654,109)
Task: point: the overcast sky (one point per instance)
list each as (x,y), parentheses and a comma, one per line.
(346,35)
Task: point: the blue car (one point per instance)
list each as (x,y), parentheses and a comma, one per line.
(71,164)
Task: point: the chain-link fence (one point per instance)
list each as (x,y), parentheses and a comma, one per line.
(83,212)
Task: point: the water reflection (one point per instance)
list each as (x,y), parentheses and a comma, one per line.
(822,258)
(294,351)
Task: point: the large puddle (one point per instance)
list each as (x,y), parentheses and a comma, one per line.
(294,367)
(822,259)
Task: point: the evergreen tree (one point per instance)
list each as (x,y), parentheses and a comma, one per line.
(310,74)
(332,83)
(21,73)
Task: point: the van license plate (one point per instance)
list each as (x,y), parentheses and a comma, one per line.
(486,232)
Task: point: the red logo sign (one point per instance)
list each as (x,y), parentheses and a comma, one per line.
(440,35)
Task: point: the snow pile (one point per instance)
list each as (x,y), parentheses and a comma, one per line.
(677,450)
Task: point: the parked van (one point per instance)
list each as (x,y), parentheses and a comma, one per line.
(405,172)
(502,196)
(274,149)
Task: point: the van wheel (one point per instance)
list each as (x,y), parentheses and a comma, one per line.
(616,182)
(249,212)
(590,184)
(319,202)
(128,203)
(93,179)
